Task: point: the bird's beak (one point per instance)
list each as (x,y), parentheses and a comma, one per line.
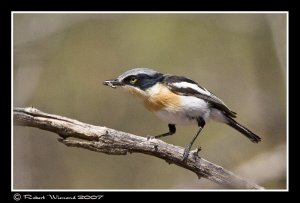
(112,83)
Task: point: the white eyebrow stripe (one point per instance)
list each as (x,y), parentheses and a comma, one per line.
(191,85)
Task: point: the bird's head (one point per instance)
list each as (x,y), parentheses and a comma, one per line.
(137,81)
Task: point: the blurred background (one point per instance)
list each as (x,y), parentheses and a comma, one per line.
(61,60)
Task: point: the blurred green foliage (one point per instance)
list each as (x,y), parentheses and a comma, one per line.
(61,60)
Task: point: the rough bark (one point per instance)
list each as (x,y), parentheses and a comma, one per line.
(110,141)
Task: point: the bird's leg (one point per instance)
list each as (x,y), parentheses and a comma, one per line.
(201,124)
(172,130)
(189,146)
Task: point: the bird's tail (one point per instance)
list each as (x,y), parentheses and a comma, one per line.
(250,135)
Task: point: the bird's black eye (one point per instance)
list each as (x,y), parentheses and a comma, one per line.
(133,80)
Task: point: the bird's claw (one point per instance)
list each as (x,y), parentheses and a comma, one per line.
(150,137)
(186,152)
(185,155)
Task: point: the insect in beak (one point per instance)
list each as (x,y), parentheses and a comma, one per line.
(112,83)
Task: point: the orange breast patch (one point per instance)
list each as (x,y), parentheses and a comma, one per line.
(162,98)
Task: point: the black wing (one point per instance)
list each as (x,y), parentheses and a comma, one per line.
(210,98)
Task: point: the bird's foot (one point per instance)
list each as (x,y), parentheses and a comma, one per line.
(186,153)
(149,137)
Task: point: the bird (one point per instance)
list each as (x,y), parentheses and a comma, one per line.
(178,100)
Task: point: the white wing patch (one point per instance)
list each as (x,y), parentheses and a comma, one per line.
(192,86)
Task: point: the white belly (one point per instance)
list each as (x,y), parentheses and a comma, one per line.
(175,118)
(191,109)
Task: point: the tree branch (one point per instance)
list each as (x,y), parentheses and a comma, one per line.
(110,141)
